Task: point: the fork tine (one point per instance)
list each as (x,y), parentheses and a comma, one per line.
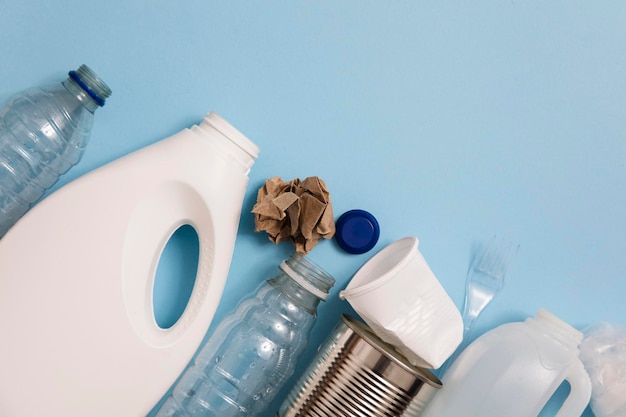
(501,258)
(487,255)
(507,257)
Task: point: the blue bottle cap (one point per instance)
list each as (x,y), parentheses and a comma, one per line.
(357,231)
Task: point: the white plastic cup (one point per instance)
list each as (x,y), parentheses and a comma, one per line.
(399,297)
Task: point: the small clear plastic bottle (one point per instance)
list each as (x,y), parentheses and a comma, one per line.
(255,349)
(43,133)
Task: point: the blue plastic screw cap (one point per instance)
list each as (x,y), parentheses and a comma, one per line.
(357,231)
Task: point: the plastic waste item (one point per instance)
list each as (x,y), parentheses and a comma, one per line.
(356,374)
(485,279)
(399,297)
(77,272)
(255,349)
(43,133)
(603,352)
(513,370)
(357,231)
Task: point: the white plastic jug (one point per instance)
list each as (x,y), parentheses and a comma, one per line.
(513,370)
(79,337)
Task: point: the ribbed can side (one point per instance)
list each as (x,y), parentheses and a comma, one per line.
(352,376)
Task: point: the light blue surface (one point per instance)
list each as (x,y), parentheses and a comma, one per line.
(451,121)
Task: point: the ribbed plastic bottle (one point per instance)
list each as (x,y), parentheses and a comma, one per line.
(514,370)
(43,133)
(255,349)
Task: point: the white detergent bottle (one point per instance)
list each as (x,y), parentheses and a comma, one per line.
(79,336)
(513,370)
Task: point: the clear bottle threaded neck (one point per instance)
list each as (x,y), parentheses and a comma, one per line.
(88,88)
(304,282)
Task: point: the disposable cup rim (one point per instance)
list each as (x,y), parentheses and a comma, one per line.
(411,253)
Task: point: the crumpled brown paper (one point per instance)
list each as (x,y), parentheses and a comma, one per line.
(299,211)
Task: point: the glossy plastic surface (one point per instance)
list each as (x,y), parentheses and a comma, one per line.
(400,298)
(43,133)
(76,277)
(254,350)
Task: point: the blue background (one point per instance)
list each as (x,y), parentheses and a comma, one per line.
(452,121)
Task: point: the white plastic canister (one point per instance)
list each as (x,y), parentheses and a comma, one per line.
(77,272)
(513,370)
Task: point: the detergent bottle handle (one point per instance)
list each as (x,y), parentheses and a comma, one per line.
(580,391)
(155,219)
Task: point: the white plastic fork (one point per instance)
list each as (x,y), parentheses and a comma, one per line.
(484,281)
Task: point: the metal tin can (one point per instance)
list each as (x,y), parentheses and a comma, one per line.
(356,374)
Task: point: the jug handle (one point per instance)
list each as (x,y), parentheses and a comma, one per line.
(580,391)
(154,220)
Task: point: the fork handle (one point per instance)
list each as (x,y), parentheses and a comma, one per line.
(475,302)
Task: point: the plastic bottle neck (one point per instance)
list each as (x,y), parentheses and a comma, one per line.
(557,329)
(233,142)
(303,282)
(87,87)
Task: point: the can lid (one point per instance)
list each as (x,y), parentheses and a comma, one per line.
(357,231)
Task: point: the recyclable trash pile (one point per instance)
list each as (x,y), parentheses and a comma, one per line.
(406,354)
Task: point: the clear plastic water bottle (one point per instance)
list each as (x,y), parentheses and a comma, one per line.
(255,349)
(43,133)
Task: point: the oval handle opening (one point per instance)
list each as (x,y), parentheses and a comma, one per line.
(175,276)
